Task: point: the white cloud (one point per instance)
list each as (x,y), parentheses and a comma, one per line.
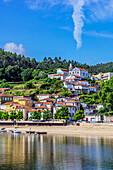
(96,9)
(97,34)
(67,28)
(14,48)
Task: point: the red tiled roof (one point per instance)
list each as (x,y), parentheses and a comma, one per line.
(47,103)
(63,69)
(70,102)
(60,75)
(82,69)
(40,107)
(1,89)
(9,103)
(4,95)
(92,87)
(24,99)
(65,105)
(100,73)
(43,94)
(79,84)
(36,110)
(76,76)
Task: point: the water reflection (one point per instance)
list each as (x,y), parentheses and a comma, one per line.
(55,152)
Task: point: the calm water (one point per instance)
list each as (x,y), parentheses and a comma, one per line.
(55,152)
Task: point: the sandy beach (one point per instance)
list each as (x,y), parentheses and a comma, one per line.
(71,130)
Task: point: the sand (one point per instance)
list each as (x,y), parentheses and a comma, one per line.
(71,130)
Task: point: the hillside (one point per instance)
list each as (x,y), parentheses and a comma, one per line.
(16,68)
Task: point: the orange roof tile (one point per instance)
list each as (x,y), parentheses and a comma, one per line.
(82,69)
(92,87)
(24,99)
(4,95)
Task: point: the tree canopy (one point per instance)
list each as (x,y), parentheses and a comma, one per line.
(62,113)
(15,67)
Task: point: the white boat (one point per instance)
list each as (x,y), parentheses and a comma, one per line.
(17,131)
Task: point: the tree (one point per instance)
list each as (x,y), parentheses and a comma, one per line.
(29,85)
(62,113)
(106,94)
(12,115)
(5,115)
(36,115)
(1,115)
(79,115)
(26,74)
(19,115)
(46,115)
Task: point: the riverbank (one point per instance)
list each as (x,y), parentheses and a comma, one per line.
(72,130)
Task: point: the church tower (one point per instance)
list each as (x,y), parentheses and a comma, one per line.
(70,67)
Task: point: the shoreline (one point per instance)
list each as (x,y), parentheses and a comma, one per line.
(71,130)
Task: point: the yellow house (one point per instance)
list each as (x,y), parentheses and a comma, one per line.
(14,106)
(17,98)
(26,102)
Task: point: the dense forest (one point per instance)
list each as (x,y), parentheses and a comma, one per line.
(15,67)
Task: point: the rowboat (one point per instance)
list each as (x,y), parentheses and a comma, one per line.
(3,131)
(41,133)
(17,131)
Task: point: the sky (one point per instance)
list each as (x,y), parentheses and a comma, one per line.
(80,30)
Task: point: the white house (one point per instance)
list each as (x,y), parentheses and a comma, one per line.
(72,78)
(56,76)
(43,96)
(72,109)
(62,71)
(90,88)
(80,72)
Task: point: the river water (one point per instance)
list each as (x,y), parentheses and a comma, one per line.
(55,152)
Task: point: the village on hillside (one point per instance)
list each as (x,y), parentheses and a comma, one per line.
(56,106)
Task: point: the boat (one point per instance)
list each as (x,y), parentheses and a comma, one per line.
(3,131)
(41,133)
(32,132)
(11,131)
(18,132)
(2,128)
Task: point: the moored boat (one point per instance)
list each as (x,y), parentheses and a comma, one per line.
(41,133)
(17,131)
(3,131)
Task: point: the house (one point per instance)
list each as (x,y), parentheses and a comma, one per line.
(104,76)
(5,98)
(14,106)
(48,100)
(41,108)
(36,104)
(56,76)
(49,105)
(4,89)
(91,88)
(17,98)
(26,102)
(43,96)
(62,71)
(83,82)
(79,72)
(72,109)
(73,78)
(30,113)
(61,99)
